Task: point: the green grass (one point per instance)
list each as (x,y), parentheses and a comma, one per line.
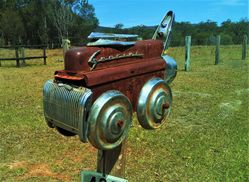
(205,139)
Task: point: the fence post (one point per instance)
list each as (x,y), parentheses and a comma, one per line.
(187,52)
(217,52)
(44,56)
(17,57)
(244,47)
(23,55)
(66,45)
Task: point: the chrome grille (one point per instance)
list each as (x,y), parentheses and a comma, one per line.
(66,106)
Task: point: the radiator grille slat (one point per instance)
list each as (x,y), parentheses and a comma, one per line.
(65,105)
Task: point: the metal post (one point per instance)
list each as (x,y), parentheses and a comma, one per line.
(217,52)
(112,161)
(17,57)
(44,56)
(187,52)
(65,45)
(244,47)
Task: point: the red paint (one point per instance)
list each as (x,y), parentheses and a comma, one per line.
(127,75)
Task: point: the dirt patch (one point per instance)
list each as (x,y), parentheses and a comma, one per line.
(18,164)
(76,156)
(91,149)
(43,170)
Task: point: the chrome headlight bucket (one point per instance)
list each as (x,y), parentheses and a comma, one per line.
(171,69)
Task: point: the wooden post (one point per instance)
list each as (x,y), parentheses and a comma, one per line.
(65,45)
(244,47)
(187,52)
(217,52)
(23,55)
(44,56)
(112,161)
(17,57)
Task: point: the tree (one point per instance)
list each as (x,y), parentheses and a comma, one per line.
(85,21)
(12,28)
(118,28)
(62,18)
(226,39)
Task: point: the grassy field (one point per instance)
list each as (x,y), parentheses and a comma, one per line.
(206,138)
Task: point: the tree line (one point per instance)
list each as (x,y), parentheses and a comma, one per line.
(35,22)
(203,33)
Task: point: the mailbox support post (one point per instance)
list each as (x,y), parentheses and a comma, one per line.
(187,52)
(244,47)
(217,52)
(112,161)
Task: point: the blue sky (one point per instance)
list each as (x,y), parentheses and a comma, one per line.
(150,12)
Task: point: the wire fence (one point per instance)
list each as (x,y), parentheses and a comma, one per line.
(22,52)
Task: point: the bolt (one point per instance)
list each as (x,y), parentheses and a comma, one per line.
(120,123)
(166,105)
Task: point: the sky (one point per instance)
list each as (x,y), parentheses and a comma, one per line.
(150,12)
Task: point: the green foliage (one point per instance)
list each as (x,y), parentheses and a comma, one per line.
(226,39)
(45,21)
(11,25)
(203,33)
(48,21)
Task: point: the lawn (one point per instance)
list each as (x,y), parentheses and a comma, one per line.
(205,139)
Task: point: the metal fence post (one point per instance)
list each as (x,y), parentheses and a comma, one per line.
(217,52)
(17,57)
(187,52)
(244,47)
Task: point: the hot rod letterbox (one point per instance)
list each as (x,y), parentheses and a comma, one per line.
(103,83)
